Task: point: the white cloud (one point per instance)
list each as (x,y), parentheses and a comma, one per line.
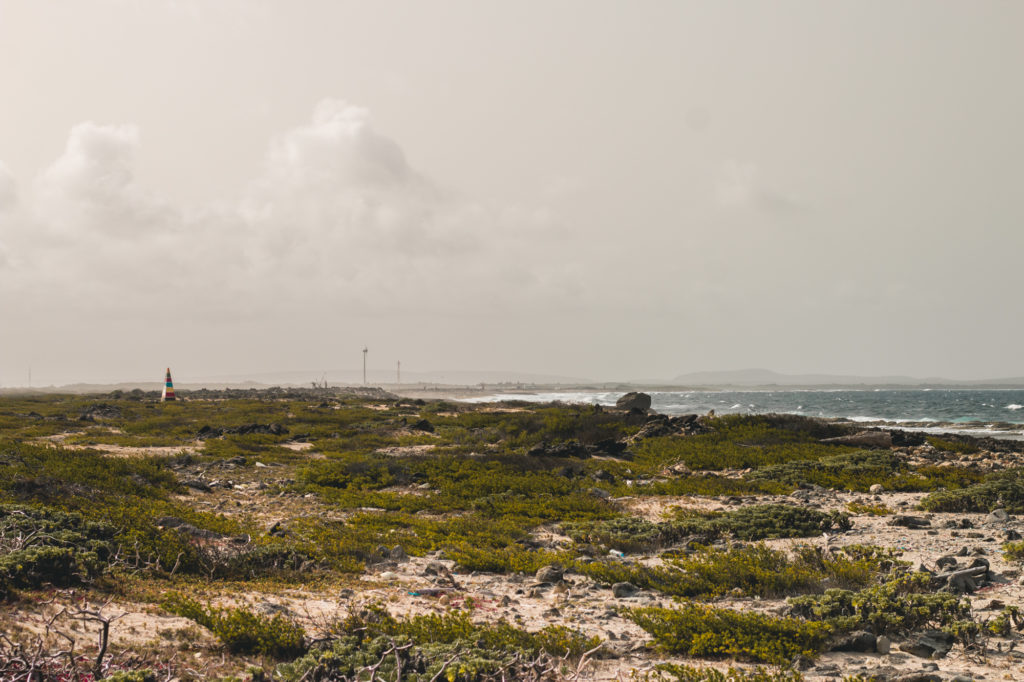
(335,219)
(739,184)
(8,189)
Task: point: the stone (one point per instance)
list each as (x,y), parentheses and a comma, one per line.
(859,640)
(552,573)
(634,401)
(947,561)
(883,644)
(908,521)
(998,516)
(397,553)
(423,425)
(876,488)
(928,644)
(624,590)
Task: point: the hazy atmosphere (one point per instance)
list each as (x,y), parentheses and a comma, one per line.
(602,190)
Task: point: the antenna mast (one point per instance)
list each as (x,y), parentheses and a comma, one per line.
(365,351)
(399,372)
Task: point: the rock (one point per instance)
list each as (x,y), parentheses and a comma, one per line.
(859,640)
(100,411)
(423,425)
(634,401)
(908,521)
(277,530)
(600,494)
(624,590)
(1011,535)
(551,573)
(196,484)
(928,644)
(435,568)
(947,561)
(876,488)
(397,553)
(863,439)
(883,644)
(998,516)
(918,677)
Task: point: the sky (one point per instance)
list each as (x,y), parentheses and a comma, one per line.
(583,188)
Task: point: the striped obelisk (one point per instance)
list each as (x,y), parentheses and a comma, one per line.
(168,388)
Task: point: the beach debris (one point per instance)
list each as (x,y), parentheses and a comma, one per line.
(168,393)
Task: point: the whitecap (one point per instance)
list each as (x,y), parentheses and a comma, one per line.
(1014,406)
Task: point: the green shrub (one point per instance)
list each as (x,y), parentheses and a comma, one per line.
(762,521)
(705,631)
(858,471)
(1014,551)
(685,673)
(754,570)
(897,606)
(961,447)
(431,647)
(1005,490)
(241,630)
(739,442)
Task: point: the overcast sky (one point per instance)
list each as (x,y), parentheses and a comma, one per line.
(612,190)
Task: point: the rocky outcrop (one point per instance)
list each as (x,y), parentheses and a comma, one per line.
(634,401)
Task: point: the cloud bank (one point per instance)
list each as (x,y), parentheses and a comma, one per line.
(336,219)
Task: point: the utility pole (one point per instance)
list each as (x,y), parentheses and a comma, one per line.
(365,351)
(399,372)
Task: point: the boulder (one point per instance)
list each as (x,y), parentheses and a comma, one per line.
(859,640)
(929,644)
(552,573)
(624,590)
(634,401)
(907,521)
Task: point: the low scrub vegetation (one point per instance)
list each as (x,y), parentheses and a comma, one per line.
(241,630)
(709,632)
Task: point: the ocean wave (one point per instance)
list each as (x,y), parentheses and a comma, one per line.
(1014,406)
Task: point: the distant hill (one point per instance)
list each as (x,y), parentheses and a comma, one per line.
(766,377)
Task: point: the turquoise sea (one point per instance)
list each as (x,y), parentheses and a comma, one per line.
(988,412)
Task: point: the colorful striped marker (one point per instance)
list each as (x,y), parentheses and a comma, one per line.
(168,388)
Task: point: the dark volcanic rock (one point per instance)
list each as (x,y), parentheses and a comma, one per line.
(634,401)
(907,521)
(423,425)
(215,432)
(860,640)
(100,411)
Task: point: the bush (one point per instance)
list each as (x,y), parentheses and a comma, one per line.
(754,570)
(686,673)
(241,630)
(705,631)
(1005,490)
(898,606)
(430,646)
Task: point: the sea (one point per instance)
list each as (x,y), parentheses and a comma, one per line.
(980,412)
